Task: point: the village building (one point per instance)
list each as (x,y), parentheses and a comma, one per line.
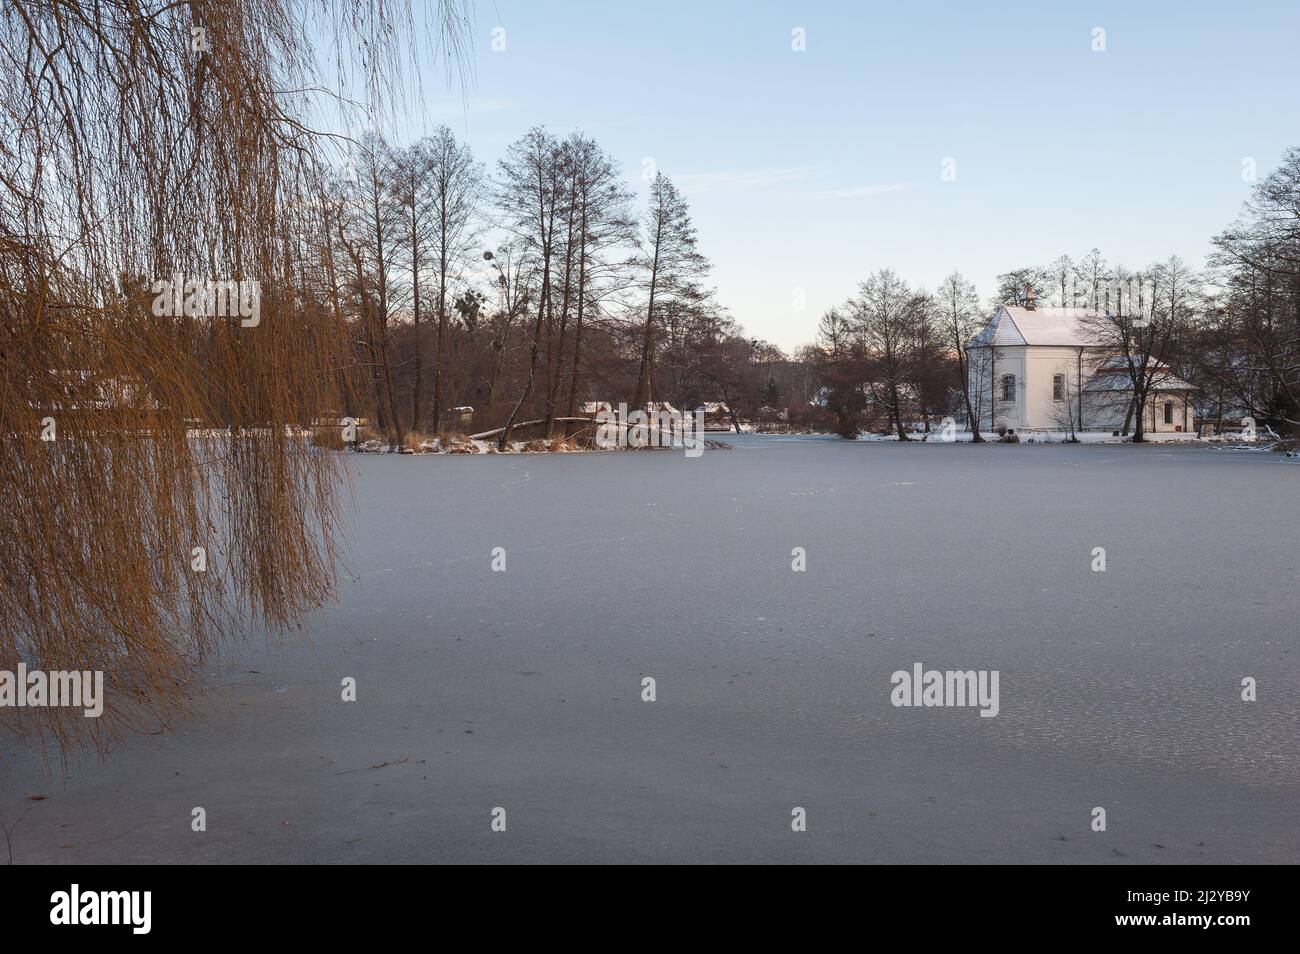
(718,416)
(1047,369)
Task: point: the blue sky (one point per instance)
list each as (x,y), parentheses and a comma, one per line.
(808,170)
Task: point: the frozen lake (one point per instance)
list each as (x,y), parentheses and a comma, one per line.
(523,689)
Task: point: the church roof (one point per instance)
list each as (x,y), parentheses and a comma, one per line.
(1061,327)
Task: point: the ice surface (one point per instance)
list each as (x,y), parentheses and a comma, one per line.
(522,689)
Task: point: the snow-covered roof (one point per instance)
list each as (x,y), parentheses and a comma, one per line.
(1017,325)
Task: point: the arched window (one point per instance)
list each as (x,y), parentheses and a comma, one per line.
(1169,412)
(1008,387)
(1058,387)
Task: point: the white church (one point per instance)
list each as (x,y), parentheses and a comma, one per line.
(1044,369)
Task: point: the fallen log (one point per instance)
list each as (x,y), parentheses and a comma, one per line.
(541,420)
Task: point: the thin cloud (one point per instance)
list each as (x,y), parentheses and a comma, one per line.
(457,109)
(739,179)
(857,192)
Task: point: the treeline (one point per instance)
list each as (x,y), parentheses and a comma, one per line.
(522,292)
(892,356)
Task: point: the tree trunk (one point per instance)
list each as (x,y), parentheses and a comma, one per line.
(894,409)
(1078,389)
(533,350)
(963,366)
(504,439)
(368,320)
(415,316)
(643,375)
(439,347)
(556,372)
(386,367)
(381,407)
(395,422)
(1139,429)
(499,358)
(993,389)
(577,328)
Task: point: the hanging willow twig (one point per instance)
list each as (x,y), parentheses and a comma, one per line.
(162,488)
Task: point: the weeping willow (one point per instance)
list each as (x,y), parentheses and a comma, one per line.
(168,349)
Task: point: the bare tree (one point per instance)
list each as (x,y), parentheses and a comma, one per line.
(958,308)
(1021,286)
(531,193)
(841,370)
(1061,274)
(602,222)
(1092,275)
(981,362)
(1066,398)
(1258,264)
(671,262)
(512,279)
(883,316)
(1152,314)
(932,371)
(455,185)
(409,194)
(374,237)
